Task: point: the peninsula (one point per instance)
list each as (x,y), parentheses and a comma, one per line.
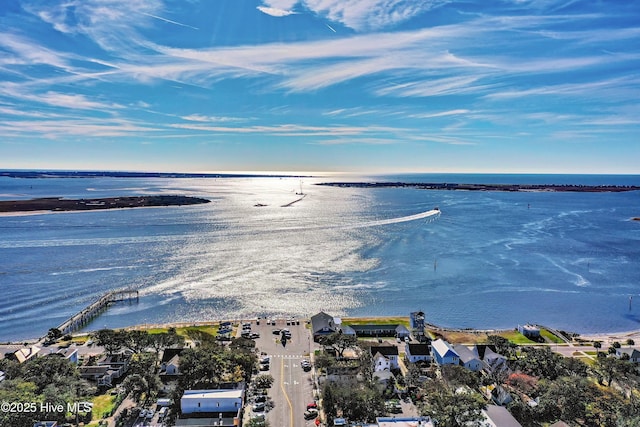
(489,187)
(58,204)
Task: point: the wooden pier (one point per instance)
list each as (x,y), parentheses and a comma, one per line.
(79,320)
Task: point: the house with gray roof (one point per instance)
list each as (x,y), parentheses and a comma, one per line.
(385,357)
(632,352)
(322,324)
(498,416)
(468,358)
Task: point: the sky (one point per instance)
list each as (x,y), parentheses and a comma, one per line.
(382,86)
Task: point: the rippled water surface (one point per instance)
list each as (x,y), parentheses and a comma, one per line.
(491,259)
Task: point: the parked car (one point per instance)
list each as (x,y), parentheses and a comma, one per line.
(312,405)
(260,398)
(258,407)
(265,360)
(264,367)
(276,332)
(310,414)
(254,335)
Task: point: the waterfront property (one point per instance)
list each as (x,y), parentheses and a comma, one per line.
(24,354)
(529,331)
(443,353)
(322,324)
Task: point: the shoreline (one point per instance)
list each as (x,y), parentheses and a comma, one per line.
(605,337)
(558,188)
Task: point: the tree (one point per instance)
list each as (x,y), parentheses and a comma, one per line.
(503,346)
(136,341)
(452,410)
(135,385)
(457,376)
(339,342)
(54,334)
(110,340)
(165,340)
(264,381)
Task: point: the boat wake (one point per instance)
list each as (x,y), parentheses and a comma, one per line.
(432,215)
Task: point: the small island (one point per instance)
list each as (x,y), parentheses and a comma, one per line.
(58,204)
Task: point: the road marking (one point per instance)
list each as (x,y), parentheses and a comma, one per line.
(286,396)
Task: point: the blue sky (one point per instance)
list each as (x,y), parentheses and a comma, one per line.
(541,86)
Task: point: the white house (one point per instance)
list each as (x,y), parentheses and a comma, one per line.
(492,361)
(417,352)
(404,422)
(443,353)
(219,400)
(385,357)
(468,358)
(1,376)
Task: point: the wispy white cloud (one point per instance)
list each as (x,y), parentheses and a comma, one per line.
(360,141)
(211,119)
(440,114)
(272,11)
(288,129)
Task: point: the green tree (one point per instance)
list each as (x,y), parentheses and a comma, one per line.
(23,392)
(110,340)
(136,385)
(339,342)
(135,340)
(264,381)
(54,334)
(452,409)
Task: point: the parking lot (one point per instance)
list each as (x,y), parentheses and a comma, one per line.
(292,389)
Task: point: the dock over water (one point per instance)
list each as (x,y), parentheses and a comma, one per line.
(79,320)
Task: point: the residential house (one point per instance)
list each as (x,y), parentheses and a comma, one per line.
(468,358)
(219,401)
(71,354)
(498,416)
(24,354)
(632,352)
(402,332)
(529,331)
(443,354)
(2,376)
(322,324)
(170,362)
(348,330)
(108,369)
(385,357)
(404,422)
(417,352)
(492,361)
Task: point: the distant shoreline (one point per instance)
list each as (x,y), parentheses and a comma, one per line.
(57,204)
(490,187)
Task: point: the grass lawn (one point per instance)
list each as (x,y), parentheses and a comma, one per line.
(516,337)
(547,335)
(102,405)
